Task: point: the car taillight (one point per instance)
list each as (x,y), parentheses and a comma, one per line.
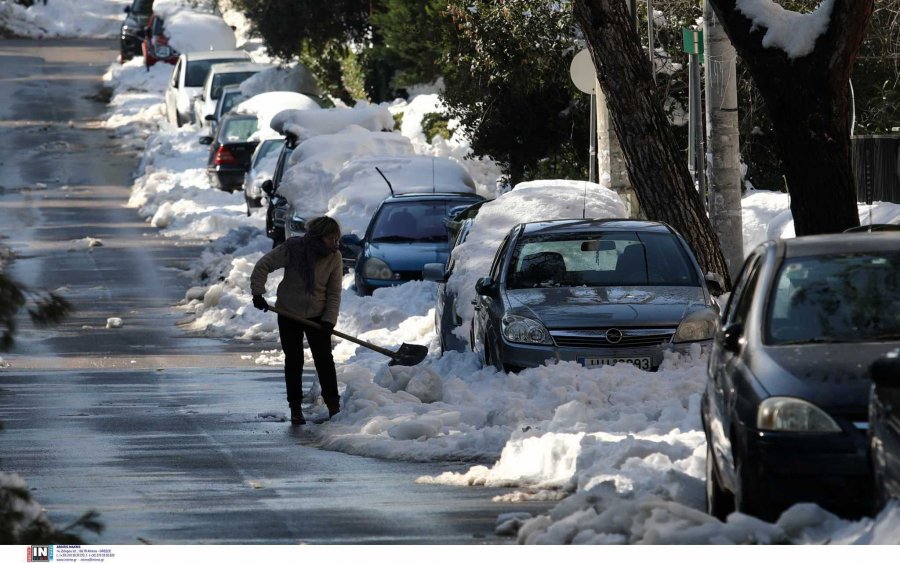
(224,156)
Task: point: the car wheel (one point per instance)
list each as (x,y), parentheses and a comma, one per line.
(748,498)
(719,502)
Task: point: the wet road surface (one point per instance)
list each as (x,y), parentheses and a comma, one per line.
(156,430)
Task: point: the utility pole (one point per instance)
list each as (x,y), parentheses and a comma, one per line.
(723,171)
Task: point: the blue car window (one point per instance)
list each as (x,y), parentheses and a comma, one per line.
(837,298)
(412,221)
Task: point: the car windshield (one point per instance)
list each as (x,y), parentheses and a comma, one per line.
(268,150)
(600,259)
(836,298)
(413,221)
(223,79)
(238,130)
(230,100)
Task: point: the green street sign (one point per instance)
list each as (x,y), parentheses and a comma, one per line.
(692,41)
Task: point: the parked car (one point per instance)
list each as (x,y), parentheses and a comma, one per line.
(219,76)
(230,151)
(785,406)
(406,232)
(277,210)
(155,43)
(187,81)
(230,97)
(262,166)
(131,34)
(593,291)
(447,319)
(884,426)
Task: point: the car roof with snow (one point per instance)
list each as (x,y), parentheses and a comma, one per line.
(208,55)
(564,226)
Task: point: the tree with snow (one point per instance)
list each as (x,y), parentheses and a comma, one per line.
(801,64)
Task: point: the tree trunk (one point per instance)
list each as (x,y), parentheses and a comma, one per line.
(723,141)
(658,174)
(808,100)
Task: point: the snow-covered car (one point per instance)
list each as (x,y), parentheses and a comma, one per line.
(131,34)
(219,76)
(175,31)
(482,229)
(262,166)
(785,409)
(187,81)
(593,291)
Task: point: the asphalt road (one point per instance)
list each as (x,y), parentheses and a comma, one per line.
(155,429)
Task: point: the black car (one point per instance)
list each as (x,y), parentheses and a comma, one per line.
(131,34)
(884,426)
(593,291)
(786,401)
(230,151)
(277,209)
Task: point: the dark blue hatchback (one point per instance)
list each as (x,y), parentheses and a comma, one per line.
(405,233)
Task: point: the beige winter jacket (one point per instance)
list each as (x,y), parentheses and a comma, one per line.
(292,296)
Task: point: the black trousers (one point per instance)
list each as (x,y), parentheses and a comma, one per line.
(291,333)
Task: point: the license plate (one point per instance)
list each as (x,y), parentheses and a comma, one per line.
(643,363)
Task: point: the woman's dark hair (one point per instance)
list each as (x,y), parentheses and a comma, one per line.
(304,251)
(322,227)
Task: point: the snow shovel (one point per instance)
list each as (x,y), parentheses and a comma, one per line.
(407,355)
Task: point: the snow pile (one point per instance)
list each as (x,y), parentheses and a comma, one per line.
(267,104)
(792,32)
(193,31)
(293,78)
(56,18)
(308,124)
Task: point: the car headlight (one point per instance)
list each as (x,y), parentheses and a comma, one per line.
(524,330)
(377,269)
(788,414)
(699,325)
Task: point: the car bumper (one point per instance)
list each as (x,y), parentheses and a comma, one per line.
(831,470)
(522,356)
(228,180)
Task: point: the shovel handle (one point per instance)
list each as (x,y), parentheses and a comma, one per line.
(317,326)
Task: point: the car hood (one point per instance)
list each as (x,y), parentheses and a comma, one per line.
(586,307)
(828,374)
(408,256)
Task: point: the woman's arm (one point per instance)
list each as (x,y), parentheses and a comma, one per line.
(333,289)
(275,259)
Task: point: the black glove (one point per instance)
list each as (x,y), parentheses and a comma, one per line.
(327,327)
(260,303)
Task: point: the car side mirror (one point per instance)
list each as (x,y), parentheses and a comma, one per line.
(127,9)
(206,140)
(732,336)
(350,246)
(210,117)
(434,271)
(885,371)
(268,187)
(486,286)
(715,283)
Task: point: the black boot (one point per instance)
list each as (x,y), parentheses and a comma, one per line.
(334,406)
(297,416)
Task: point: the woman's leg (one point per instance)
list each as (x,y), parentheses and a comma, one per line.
(291,333)
(320,347)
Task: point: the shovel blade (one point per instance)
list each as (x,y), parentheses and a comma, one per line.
(408,355)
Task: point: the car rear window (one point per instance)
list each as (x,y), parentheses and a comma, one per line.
(196,72)
(837,298)
(238,130)
(600,259)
